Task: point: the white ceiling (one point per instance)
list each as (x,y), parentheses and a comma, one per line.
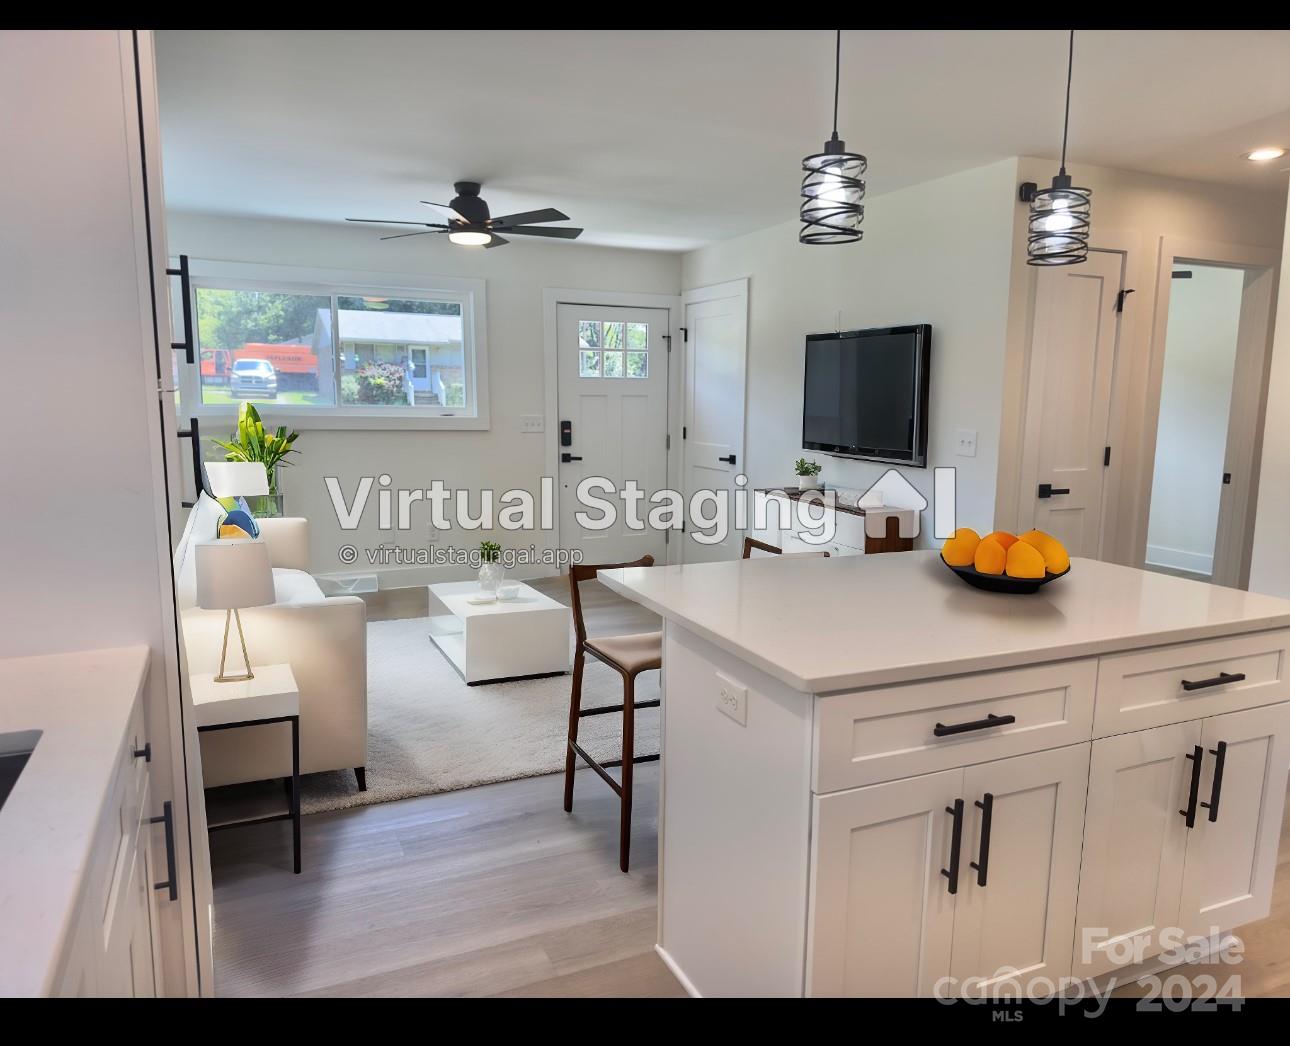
(672,139)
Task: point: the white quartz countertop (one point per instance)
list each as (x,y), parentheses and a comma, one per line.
(81,703)
(847,622)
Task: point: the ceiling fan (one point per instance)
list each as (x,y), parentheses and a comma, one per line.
(470,226)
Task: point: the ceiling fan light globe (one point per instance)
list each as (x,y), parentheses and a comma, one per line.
(470,238)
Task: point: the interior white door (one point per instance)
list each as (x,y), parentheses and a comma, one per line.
(612,375)
(1135,841)
(1068,403)
(1015,915)
(878,855)
(716,350)
(1232,850)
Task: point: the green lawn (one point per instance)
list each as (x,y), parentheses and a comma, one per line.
(215,396)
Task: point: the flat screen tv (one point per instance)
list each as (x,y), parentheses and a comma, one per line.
(866,394)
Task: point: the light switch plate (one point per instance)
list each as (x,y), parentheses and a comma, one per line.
(965,443)
(532,423)
(732,699)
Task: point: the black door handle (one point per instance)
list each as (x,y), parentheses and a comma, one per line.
(729,459)
(1218,680)
(168,819)
(566,458)
(1220,757)
(144,753)
(986,805)
(941,730)
(956,840)
(1047,490)
(1190,813)
(185,288)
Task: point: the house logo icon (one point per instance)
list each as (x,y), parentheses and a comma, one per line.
(899,497)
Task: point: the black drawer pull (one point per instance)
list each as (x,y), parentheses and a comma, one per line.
(956,841)
(986,804)
(186,291)
(171,885)
(941,730)
(1220,757)
(1189,814)
(1218,680)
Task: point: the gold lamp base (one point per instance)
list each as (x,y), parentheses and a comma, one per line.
(223,654)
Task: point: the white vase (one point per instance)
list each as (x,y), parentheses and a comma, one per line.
(490,577)
(808,482)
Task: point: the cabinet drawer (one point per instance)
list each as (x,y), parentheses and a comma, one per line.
(118,829)
(891,732)
(1172,684)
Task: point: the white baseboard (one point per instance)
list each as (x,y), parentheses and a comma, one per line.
(1180,559)
(677,972)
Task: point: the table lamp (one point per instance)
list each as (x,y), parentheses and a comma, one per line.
(231,575)
(237,479)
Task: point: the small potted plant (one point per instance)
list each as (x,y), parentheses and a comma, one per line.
(491,570)
(808,473)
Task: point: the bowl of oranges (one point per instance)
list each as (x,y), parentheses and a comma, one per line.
(1003,562)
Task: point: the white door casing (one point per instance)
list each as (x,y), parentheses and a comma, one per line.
(716,350)
(618,425)
(1073,348)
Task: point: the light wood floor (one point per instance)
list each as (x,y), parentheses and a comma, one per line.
(496,890)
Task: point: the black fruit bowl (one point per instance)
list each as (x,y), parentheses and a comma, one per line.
(1001,582)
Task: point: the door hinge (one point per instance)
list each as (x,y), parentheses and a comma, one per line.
(682,526)
(1106,458)
(669,441)
(1119,299)
(668,338)
(683,431)
(667,537)
(685,333)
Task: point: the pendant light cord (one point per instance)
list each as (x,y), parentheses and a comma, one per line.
(837,78)
(1066,124)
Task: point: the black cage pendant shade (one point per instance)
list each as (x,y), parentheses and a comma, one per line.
(1059,215)
(832,186)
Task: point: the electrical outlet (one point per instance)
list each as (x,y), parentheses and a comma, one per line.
(965,443)
(532,423)
(732,699)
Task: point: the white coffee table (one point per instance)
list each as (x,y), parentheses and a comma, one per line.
(520,638)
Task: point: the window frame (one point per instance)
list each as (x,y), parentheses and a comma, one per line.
(334,283)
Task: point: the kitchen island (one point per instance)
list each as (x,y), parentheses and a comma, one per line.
(879,781)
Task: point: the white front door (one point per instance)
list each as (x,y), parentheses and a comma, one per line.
(420,367)
(1068,403)
(612,378)
(716,348)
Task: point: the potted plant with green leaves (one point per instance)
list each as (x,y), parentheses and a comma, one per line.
(253,442)
(808,473)
(491,570)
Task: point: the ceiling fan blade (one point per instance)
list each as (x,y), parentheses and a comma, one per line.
(538,230)
(548,214)
(402,235)
(496,241)
(390,221)
(445,207)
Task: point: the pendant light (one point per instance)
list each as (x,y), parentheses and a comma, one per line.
(832,187)
(1059,215)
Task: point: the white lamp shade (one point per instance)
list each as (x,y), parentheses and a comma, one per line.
(232,479)
(233,574)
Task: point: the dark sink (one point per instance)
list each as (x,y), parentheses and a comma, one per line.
(15,750)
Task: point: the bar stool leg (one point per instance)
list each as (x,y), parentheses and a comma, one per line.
(575,706)
(295,789)
(629,752)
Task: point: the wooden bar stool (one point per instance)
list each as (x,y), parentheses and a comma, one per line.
(629,656)
(775,550)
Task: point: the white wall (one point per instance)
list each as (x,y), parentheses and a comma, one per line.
(1130,212)
(1195,399)
(501,457)
(937,253)
(1270,564)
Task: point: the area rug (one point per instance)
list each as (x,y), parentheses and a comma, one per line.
(427,731)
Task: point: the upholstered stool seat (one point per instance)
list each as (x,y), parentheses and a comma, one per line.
(630,654)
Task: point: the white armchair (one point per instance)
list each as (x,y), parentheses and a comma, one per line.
(322,638)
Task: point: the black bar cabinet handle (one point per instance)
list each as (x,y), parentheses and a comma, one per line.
(941,730)
(1220,757)
(185,287)
(1218,680)
(172,880)
(1190,813)
(956,840)
(194,433)
(729,459)
(986,805)
(144,753)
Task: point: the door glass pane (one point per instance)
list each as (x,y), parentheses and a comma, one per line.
(402,352)
(1195,401)
(589,334)
(638,364)
(588,364)
(613,335)
(265,347)
(638,335)
(613,364)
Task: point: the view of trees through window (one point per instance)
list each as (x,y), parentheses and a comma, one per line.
(324,350)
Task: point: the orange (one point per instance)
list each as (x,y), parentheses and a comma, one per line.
(961,548)
(1004,538)
(1024,560)
(1056,559)
(991,557)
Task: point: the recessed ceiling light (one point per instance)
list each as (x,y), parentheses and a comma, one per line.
(1267,152)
